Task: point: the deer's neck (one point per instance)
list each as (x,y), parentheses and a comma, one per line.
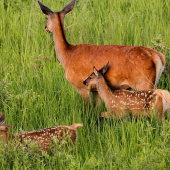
(4,135)
(60,42)
(104,91)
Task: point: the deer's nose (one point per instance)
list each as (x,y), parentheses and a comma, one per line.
(84,82)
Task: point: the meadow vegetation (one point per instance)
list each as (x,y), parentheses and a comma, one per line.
(35,94)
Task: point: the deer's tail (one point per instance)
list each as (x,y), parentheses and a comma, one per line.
(159,61)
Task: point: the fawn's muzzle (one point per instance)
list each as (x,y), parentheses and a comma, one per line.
(84,82)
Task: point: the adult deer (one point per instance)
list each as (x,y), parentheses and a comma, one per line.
(135,67)
(124,102)
(43,138)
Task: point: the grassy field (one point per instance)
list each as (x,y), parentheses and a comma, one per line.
(35,94)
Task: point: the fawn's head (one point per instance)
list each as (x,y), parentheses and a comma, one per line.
(96,75)
(4,134)
(54,18)
(2,120)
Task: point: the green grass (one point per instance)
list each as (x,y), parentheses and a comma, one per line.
(35,94)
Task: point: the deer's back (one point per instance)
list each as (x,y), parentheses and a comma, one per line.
(122,62)
(44,137)
(133,101)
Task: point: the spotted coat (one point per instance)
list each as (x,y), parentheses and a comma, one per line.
(124,102)
(43,138)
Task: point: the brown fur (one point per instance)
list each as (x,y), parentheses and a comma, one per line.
(43,138)
(134,67)
(2,118)
(124,102)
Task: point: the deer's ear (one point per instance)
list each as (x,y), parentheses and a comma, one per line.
(45,9)
(2,118)
(104,69)
(68,8)
(95,71)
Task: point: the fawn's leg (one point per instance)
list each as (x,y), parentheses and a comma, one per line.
(107,115)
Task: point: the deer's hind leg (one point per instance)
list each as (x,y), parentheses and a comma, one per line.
(160,114)
(107,115)
(159,107)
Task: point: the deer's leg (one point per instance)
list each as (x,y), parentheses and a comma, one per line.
(160,114)
(107,115)
(85,95)
(160,117)
(159,108)
(96,98)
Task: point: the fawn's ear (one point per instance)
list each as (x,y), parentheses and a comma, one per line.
(2,118)
(68,8)
(45,9)
(96,72)
(104,69)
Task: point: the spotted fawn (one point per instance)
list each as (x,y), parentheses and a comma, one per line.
(124,102)
(43,138)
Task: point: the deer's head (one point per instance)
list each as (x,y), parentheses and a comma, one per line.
(96,75)
(4,134)
(55,18)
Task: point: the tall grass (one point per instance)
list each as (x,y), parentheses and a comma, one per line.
(34,92)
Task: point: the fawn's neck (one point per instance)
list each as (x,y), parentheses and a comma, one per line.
(104,91)
(5,135)
(60,42)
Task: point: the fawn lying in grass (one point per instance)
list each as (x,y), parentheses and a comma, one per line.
(43,138)
(124,102)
